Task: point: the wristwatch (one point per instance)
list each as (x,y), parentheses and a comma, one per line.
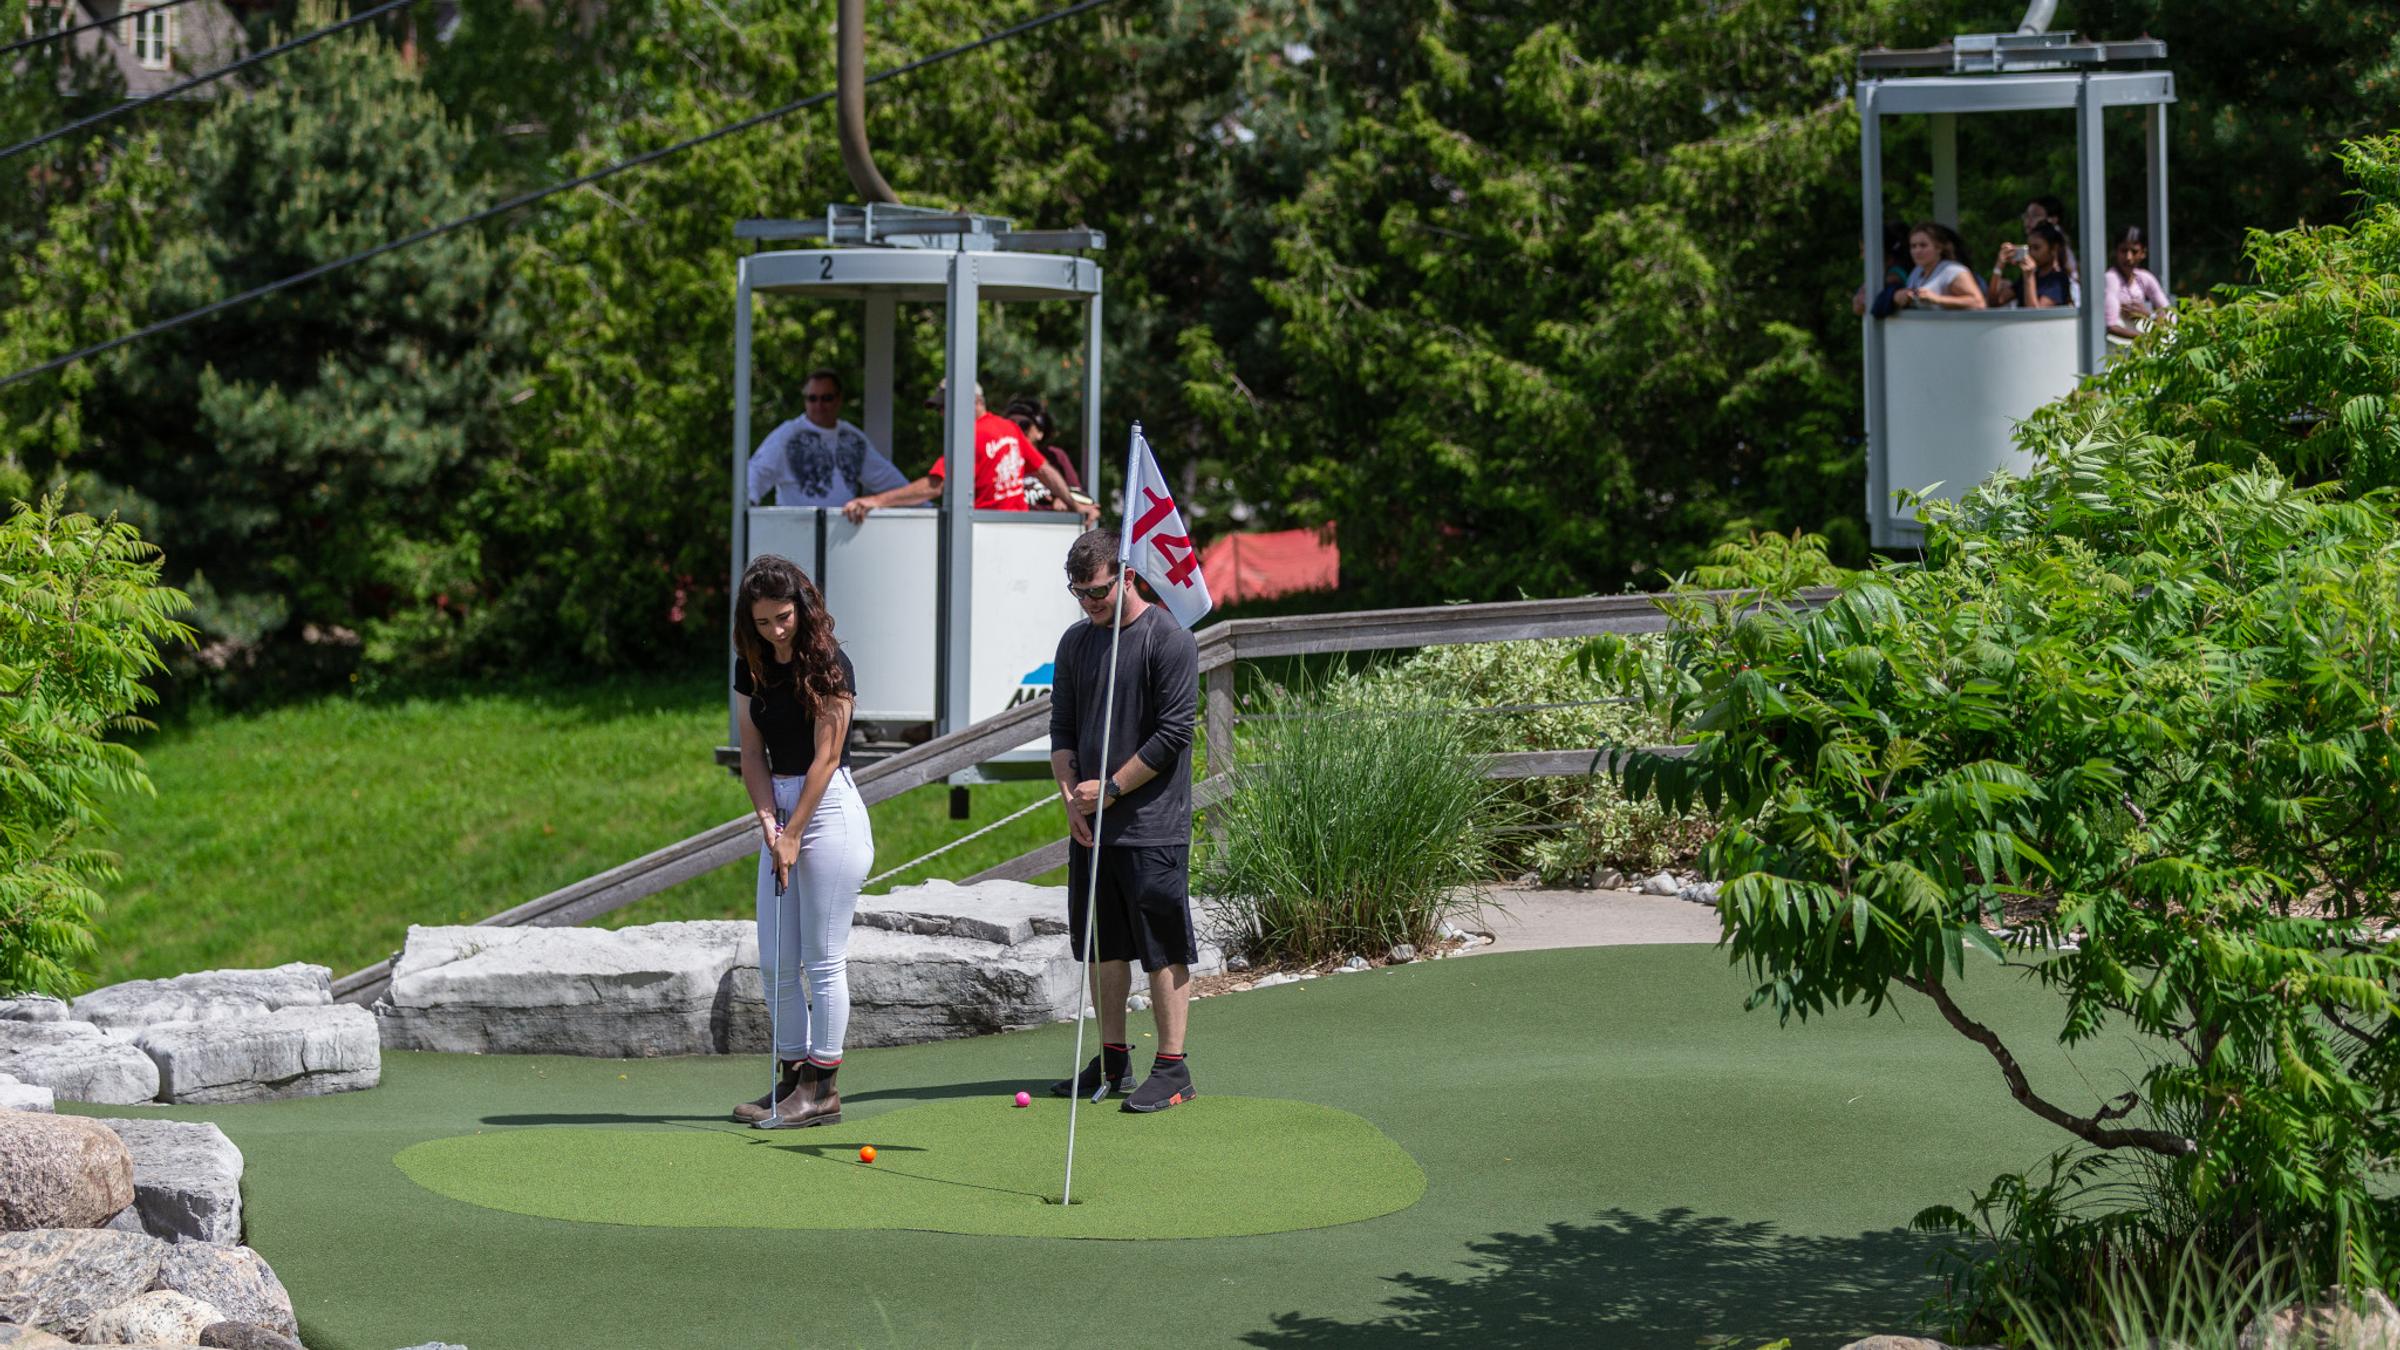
(1109,791)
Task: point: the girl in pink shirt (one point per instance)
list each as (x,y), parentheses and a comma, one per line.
(2131,296)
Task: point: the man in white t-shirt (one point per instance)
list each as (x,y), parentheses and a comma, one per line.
(817,459)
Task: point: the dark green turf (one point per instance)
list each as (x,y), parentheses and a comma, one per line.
(1615,1154)
(978,1165)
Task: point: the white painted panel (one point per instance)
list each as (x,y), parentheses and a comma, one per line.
(1956,385)
(882,586)
(787,530)
(1021,607)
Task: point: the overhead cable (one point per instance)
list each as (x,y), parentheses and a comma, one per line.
(528,198)
(205,77)
(39,38)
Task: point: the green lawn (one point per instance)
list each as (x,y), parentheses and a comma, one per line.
(321,831)
(1613,1154)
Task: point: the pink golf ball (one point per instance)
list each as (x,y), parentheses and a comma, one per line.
(1024,1099)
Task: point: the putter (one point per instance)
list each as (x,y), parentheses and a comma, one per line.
(774,1030)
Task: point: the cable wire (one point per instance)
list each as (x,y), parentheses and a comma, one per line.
(39,38)
(921,859)
(205,77)
(528,198)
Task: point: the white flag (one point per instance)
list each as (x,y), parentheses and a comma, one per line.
(1156,545)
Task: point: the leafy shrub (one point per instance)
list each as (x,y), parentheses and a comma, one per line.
(2128,731)
(1564,828)
(2299,369)
(1351,829)
(81,619)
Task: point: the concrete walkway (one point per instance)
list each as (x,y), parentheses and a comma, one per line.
(1526,920)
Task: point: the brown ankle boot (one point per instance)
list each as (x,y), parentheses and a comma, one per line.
(817,1102)
(786,1083)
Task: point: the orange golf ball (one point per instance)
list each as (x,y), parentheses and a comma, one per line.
(867,1154)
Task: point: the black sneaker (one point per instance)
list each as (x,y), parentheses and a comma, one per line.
(1169,1084)
(1088,1084)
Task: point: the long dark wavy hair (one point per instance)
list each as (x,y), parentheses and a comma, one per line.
(815,655)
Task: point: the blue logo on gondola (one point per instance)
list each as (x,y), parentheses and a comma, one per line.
(1036,683)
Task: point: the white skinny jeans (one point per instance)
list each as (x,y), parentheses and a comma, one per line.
(807,929)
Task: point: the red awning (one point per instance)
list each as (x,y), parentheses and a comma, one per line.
(1262,566)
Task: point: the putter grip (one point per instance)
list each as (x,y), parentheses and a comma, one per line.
(783,820)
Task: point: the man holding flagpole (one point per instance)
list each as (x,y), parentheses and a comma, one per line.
(1124,696)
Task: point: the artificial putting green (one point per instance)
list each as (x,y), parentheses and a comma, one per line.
(1247,1165)
(1615,1154)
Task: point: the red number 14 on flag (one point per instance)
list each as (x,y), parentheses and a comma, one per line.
(1179,566)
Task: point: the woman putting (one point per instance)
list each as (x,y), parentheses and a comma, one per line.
(817,847)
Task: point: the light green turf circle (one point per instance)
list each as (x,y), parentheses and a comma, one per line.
(1213,1167)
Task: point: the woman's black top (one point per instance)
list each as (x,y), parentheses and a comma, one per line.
(785,721)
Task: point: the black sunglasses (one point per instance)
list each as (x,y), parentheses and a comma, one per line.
(1099,592)
(821,398)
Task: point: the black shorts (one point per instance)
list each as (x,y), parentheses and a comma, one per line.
(1145,903)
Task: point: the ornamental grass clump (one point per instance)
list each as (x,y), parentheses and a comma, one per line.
(2131,732)
(1353,827)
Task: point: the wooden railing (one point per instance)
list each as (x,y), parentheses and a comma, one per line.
(1223,646)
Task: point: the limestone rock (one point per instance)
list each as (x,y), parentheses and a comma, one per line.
(1003,912)
(292,1052)
(77,1061)
(207,996)
(33,1008)
(909,987)
(648,990)
(1896,1343)
(60,1172)
(161,1316)
(187,1180)
(59,1279)
(1664,883)
(14,1337)
(2328,1323)
(437,1345)
(247,1336)
(16,1096)
(235,1280)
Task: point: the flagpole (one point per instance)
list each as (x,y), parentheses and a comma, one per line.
(1091,890)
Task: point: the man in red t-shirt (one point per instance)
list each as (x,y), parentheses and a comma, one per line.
(1004,459)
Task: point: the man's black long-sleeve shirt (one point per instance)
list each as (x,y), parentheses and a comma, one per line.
(1158,696)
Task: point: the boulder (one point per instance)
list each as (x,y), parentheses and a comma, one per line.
(2331,1322)
(77,1061)
(1002,912)
(235,1280)
(16,1096)
(59,1279)
(656,989)
(247,1336)
(33,1008)
(1896,1343)
(926,963)
(14,1337)
(187,1181)
(161,1316)
(207,996)
(436,1345)
(911,987)
(60,1172)
(291,1052)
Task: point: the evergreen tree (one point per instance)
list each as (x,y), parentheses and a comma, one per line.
(296,456)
